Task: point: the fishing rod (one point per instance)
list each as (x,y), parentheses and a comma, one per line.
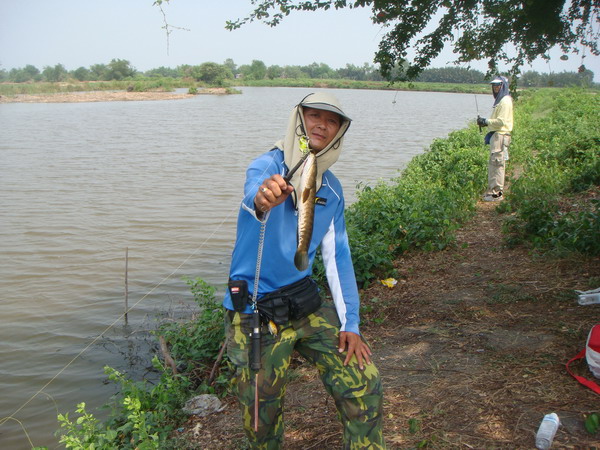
(305,149)
(478,116)
(255,336)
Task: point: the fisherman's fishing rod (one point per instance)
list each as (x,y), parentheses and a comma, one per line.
(478,117)
(305,149)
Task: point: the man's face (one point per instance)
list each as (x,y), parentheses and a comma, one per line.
(496,88)
(321,127)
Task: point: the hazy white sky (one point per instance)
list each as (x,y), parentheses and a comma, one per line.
(78,33)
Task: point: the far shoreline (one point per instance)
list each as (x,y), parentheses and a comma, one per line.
(105,96)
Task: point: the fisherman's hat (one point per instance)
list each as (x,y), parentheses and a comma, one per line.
(324,102)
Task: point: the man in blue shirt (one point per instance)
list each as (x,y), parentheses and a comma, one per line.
(263,271)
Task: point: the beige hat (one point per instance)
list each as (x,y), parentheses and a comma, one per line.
(296,130)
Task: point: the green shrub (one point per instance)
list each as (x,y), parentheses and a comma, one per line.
(555,202)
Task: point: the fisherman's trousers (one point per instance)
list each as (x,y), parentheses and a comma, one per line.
(357,393)
(499,144)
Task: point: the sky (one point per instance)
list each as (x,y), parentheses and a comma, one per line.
(78,33)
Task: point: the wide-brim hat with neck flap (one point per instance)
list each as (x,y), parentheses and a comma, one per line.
(309,102)
(296,130)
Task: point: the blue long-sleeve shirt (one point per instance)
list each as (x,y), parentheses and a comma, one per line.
(280,242)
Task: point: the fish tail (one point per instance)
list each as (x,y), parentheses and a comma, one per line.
(301,260)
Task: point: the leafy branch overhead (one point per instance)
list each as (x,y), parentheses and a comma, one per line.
(513,32)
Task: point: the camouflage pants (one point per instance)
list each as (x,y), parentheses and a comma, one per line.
(357,393)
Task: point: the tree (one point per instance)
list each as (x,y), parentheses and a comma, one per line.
(213,73)
(56,73)
(293,72)
(511,31)
(451,75)
(274,72)
(81,74)
(98,72)
(321,70)
(232,66)
(163,72)
(27,73)
(255,71)
(119,69)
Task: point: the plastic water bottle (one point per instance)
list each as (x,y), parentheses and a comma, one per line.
(589,299)
(546,432)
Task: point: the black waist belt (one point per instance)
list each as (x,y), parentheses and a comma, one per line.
(294,301)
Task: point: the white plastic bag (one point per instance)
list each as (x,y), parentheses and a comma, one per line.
(592,350)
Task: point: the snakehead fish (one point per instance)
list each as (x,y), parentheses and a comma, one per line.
(306,210)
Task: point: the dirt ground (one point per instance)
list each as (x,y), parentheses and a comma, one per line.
(471,345)
(102,96)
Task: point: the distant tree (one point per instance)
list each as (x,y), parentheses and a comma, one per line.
(22,75)
(321,70)
(3,75)
(232,66)
(274,72)
(98,72)
(81,74)
(293,72)
(451,75)
(56,73)
(119,69)
(163,72)
(476,29)
(255,71)
(186,71)
(352,72)
(213,73)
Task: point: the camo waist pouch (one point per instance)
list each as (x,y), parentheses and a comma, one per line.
(294,301)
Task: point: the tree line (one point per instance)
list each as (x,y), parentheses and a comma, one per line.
(219,74)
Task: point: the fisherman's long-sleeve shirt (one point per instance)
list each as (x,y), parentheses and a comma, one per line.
(280,242)
(501,120)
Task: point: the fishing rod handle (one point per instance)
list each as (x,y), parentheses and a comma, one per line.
(289,175)
(255,337)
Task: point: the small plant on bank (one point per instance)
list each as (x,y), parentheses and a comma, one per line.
(144,415)
(195,344)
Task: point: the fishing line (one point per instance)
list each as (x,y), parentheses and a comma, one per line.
(22,426)
(118,319)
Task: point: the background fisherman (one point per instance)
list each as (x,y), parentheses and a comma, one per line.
(327,335)
(500,125)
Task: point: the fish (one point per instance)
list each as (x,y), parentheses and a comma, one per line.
(306,210)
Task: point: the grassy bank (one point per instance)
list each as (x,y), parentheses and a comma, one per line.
(380,85)
(166,84)
(552,206)
(142,85)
